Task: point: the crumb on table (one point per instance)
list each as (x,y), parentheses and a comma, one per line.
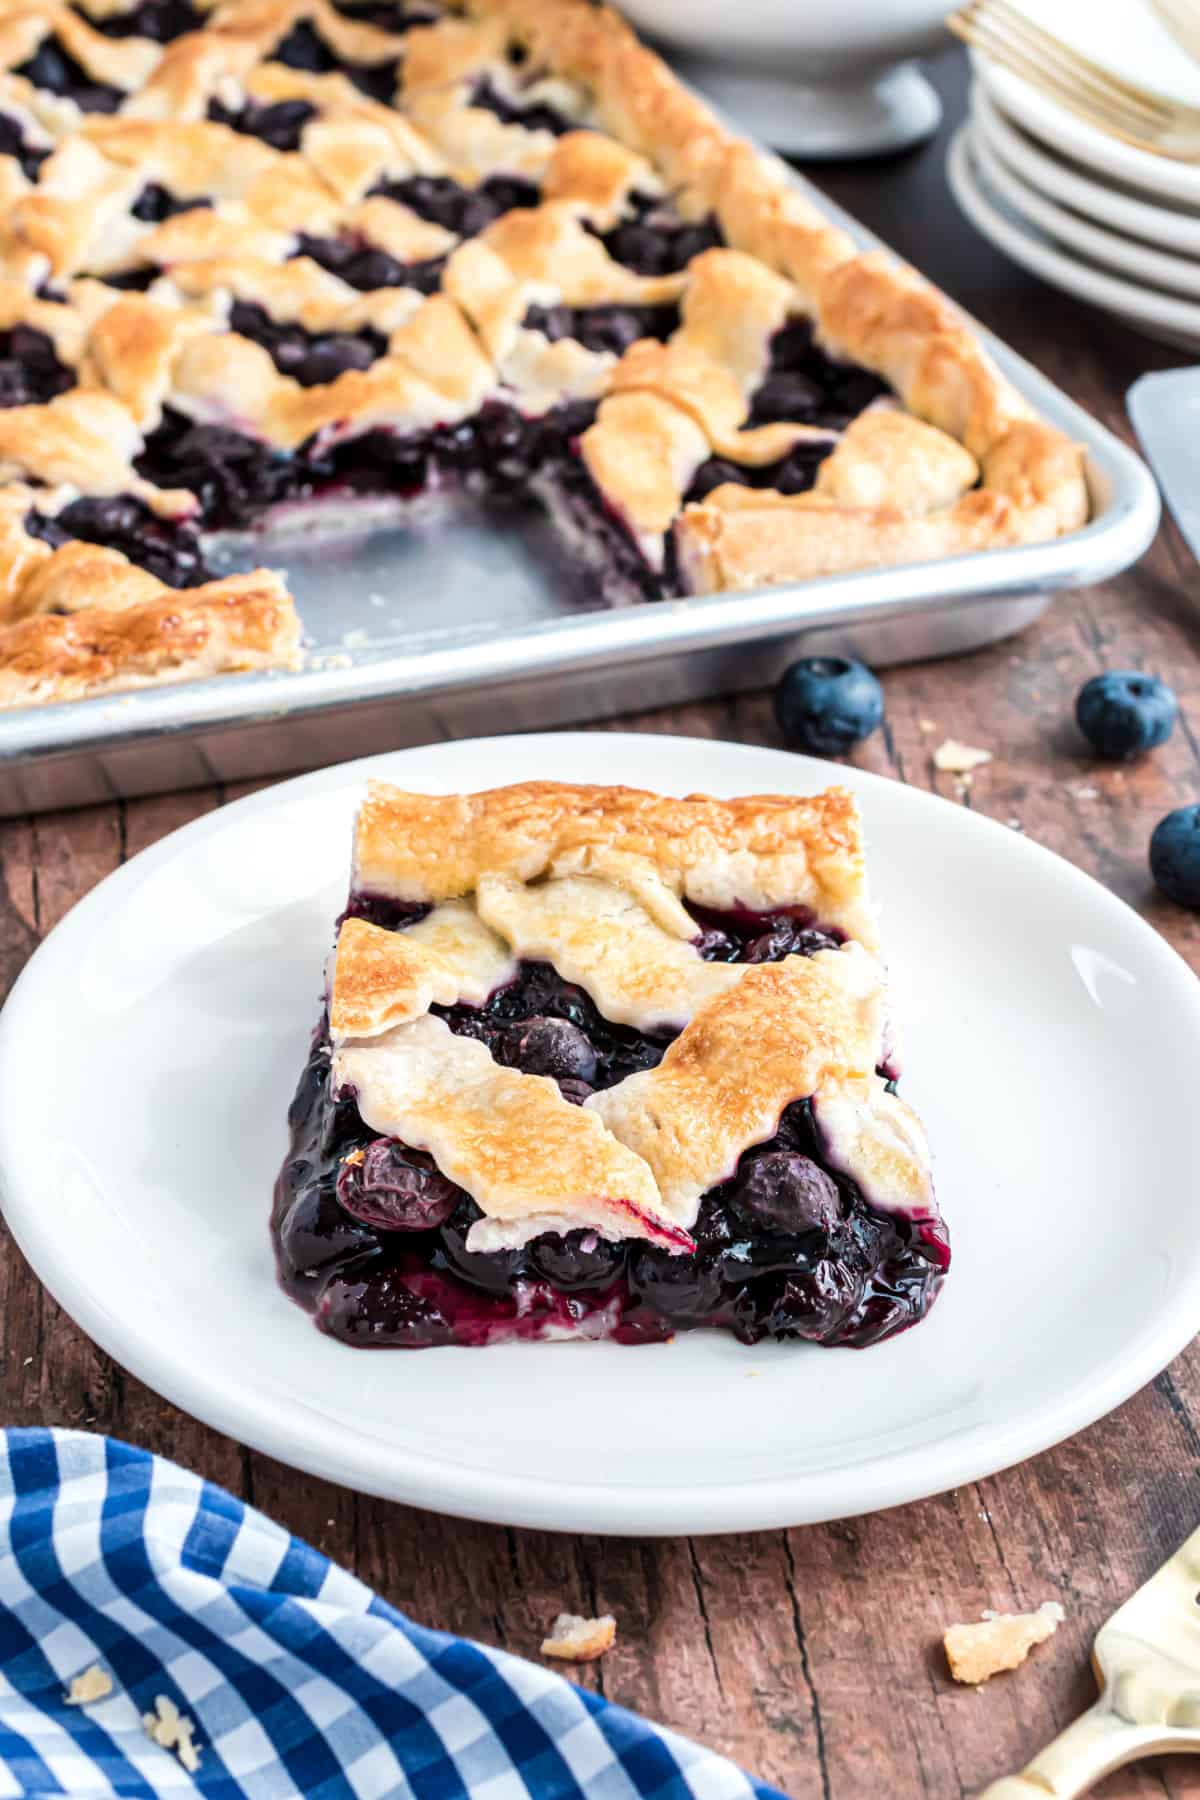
(171,1729)
(575,1639)
(954,758)
(999,1641)
(94,1684)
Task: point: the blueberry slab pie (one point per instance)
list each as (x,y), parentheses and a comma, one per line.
(596,1063)
(266,264)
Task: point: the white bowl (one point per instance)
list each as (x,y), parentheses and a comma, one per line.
(823,78)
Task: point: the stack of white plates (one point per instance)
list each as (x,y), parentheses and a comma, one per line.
(1092,215)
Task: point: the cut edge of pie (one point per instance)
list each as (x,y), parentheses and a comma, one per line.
(479,334)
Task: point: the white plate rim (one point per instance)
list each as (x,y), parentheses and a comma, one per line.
(1026,158)
(1177,275)
(1084,143)
(448,1487)
(1152,310)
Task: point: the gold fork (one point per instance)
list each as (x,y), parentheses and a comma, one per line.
(1119,107)
(1147,1660)
(1182,20)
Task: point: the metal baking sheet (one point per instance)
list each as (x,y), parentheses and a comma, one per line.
(494,627)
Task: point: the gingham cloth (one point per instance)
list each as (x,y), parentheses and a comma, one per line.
(299,1680)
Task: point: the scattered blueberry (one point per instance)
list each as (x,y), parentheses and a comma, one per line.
(827,704)
(1125,712)
(1175,855)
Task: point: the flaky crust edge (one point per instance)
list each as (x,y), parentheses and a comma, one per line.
(763,850)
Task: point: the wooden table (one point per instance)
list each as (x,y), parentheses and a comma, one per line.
(810,1655)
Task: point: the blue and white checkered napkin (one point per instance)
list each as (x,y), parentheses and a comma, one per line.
(299,1680)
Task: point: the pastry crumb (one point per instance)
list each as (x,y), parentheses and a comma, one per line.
(1000,1641)
(355,1159)
(1086,793)
(575,1639)
(954,758)
(927,725)
(170,1728)
(94,1684)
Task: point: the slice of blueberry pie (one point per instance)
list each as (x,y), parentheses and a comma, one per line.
(597,1063)
(268,263)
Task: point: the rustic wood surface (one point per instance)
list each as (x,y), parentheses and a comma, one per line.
(809,1655)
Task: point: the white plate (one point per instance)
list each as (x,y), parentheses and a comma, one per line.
(149,1051)
(1155,268)
(1162,226)
(1160,315)
(1157,176)
(1157,225)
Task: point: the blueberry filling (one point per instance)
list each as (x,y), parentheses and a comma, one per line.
(303,48)
(558,1025)
(804,387)
(166,548)
(160,20)
(382,910)
(500,450)
(235,478)
(280,125)
(793,474)
(12,143)
(309,357)
(373,1236)
(133,281)
(752,937)
(464,211)
(154,204)
(395,1189)
(606,537)
(51,68)
(387,15)
(367,269)
(611,328)
(655,241)
(535,117)
(30,372)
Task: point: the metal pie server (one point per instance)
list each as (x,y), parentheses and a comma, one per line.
(1165,410)
(1147,1660)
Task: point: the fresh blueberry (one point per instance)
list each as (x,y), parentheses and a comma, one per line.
(1175,855)
(1125,712)
(827,704)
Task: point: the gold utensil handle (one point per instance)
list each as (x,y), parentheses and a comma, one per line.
(1085,1752)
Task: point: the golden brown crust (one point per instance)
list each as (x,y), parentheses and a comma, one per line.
(589,880)
(243,622)
(760,851)
(385,978)
(897,488)
(786,1030)
(728,543)
(530,1160)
